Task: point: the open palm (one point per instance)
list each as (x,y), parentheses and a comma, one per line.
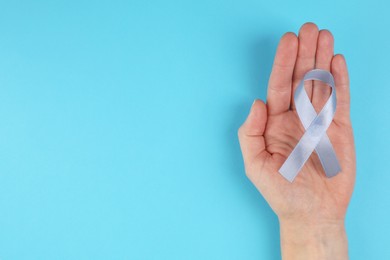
(272,130)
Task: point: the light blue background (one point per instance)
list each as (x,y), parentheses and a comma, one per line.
(118,124)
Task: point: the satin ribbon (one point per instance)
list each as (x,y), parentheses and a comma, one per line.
(315,137)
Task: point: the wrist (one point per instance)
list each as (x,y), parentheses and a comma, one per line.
(309,239)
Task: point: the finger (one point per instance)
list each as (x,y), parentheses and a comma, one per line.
(279,85)
(324,55)
(251,133)
(307,46)
(341,78)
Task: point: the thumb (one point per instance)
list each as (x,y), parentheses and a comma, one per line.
(251,132)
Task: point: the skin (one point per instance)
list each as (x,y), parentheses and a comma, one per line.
(311,210)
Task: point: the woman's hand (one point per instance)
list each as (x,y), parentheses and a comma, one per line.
(312,208)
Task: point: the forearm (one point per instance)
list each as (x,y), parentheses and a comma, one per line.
(302,240)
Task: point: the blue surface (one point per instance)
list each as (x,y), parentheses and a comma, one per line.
(119,118)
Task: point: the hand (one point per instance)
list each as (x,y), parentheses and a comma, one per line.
(313,206)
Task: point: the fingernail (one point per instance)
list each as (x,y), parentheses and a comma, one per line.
(254,101)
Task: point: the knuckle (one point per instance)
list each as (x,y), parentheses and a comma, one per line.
(240,131)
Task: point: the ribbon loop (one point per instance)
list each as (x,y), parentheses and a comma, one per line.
(315,137)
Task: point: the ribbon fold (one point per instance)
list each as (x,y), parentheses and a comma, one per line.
(315,137)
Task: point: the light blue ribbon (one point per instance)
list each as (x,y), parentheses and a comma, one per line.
(315,125)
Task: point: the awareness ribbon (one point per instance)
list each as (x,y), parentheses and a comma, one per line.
(315,137)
